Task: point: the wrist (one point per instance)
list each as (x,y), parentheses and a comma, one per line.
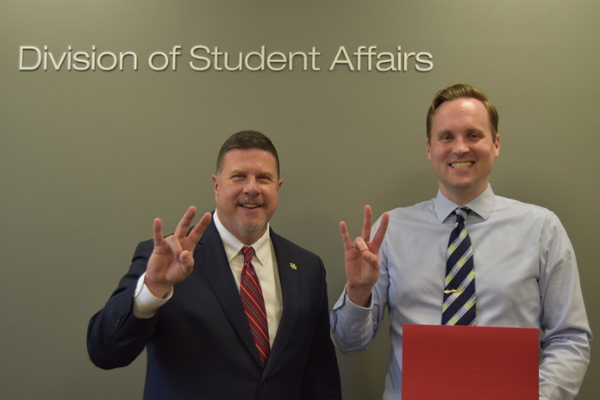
(359,294)
(160,291)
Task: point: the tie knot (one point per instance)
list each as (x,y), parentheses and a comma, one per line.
(248,253)
(461,214)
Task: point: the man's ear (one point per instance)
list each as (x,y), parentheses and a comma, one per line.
(428,149)
(497,145)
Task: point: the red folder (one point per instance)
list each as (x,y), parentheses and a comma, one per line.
(469,362)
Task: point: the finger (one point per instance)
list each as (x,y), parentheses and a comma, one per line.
(186,221)
(383,225)
(157,233)
(360,244)
(371,258)
(186,260)
(175,245)
(199,229)
(368,221)
(345,236)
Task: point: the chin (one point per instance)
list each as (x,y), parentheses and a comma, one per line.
(250,228)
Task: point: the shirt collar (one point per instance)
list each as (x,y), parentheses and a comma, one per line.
(482,205)
(233,246)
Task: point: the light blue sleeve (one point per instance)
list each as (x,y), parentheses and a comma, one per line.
(566,339)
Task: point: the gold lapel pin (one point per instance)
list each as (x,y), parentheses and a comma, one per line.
(293,266)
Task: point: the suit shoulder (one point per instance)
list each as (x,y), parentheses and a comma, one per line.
(285,246)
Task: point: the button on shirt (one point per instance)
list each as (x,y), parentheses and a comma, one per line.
(526,277)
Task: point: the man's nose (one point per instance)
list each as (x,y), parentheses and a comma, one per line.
(251,188)
(460,146)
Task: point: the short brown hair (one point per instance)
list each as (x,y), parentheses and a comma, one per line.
(455,92)
(246,140)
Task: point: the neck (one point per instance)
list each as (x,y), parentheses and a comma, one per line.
(462,198)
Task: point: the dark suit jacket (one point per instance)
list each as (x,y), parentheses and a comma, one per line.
(199,344)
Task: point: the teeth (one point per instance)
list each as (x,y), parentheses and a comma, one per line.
(461,165)
(250,205)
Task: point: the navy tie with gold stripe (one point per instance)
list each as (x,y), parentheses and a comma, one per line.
(459,290)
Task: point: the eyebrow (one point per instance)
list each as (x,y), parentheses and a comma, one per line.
(475,130)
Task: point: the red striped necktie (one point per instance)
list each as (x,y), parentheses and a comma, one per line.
(254,305)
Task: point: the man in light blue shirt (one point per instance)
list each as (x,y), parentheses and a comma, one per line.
(525,267)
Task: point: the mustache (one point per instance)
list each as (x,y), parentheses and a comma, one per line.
(251,200)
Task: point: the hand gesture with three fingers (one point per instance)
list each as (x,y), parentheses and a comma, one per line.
(362,258)
(172,258)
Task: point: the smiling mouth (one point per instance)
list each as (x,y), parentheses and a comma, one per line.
(461,165)
(250,205)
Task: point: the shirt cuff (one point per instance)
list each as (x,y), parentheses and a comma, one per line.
(145,304)
(351,325)
(350,304)
(349,311)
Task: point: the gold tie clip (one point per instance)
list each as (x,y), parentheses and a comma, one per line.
(448,291)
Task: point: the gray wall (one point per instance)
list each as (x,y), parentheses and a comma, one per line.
(89,158)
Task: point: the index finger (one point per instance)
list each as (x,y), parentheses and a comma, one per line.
(368,221)
(157,235)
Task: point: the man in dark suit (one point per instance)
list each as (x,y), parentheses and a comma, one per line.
(185,298)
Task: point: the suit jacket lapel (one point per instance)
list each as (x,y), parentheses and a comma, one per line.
(290,293)
(211,260)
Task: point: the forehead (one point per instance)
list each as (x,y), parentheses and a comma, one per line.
(460,113)
(246,159)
